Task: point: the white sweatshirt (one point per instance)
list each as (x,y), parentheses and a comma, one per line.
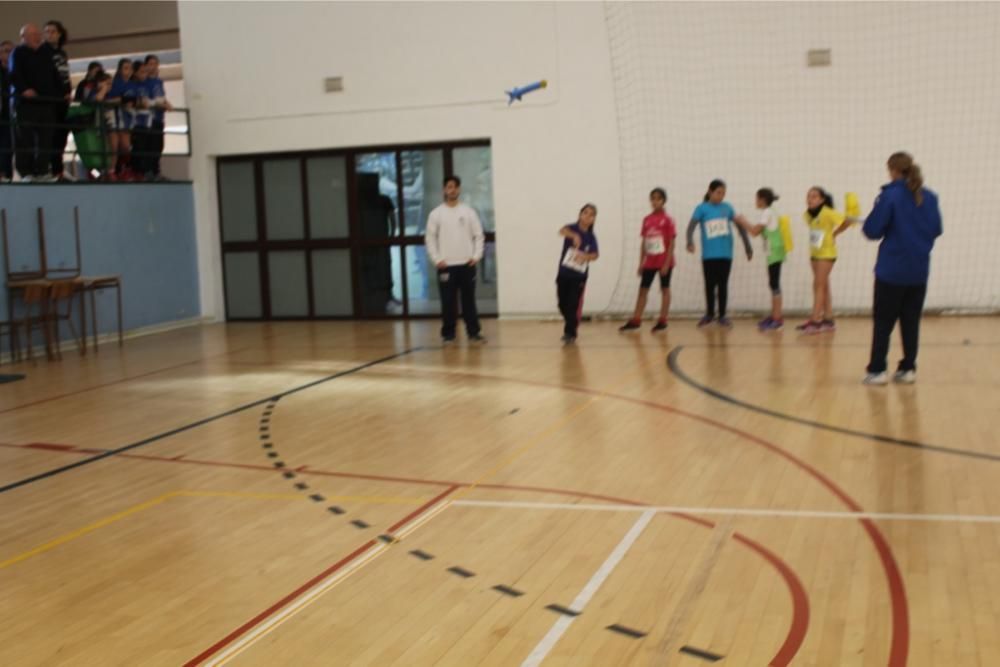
(454,235)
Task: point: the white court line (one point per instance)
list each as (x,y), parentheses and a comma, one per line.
(559,629)
(733,511)
(313,594)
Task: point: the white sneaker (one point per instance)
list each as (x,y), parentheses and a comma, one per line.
(877,379)
(905,377)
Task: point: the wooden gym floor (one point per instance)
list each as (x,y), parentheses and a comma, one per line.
(351,494)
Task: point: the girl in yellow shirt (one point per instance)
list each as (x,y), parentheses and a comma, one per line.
(825,225)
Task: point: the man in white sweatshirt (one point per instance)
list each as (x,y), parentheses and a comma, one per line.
(454,241)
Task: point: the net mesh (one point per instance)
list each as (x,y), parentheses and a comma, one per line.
(723,90)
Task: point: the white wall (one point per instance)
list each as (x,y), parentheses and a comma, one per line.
(418,72)
(641,94)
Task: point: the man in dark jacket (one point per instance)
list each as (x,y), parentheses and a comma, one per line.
(34,87)
(6,157)
(55,39)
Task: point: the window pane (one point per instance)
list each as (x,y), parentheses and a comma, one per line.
(475,167)
(238,201)
(327,181)
(332,282)
(381,281)
(283,199)
(287,273)
(242,284)
(421,282)
(423,172)
(486,285)
(378,196)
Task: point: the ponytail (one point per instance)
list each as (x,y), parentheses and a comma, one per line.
(904,164)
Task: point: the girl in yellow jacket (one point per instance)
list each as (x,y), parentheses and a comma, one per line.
(825,225)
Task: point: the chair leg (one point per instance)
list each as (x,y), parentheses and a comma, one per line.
(93,318)
(83,322)
(81,342)
(27,334)
(118,293)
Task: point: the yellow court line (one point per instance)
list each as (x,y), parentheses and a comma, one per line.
(106,521)
(80,532)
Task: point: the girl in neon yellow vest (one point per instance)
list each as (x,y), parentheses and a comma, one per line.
(825,225)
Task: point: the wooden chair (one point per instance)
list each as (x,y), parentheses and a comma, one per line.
(36,295)
(63,292)
(88,285)
(16,280)
(9,329)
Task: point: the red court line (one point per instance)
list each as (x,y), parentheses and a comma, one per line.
(118,381)
(800,606)
(900,643)
(47,446)
(262,616)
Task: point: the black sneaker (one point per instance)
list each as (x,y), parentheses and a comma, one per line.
(477,338)
(659,326)
(568,340)
(631,325)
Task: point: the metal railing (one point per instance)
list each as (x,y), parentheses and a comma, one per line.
(89,128)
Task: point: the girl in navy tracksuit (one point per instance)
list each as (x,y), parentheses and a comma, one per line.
(579,250)
(907,220)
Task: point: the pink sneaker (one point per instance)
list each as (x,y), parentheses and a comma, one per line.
(810,328)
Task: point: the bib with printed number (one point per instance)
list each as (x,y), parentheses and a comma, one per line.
(574,260)
(716,228)
(816,237)
(654,245)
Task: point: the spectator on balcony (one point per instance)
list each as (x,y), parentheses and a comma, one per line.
(6,157)
(35,85)
(55,40)
(141,114)
(89,82)
(121,100)
(160,104)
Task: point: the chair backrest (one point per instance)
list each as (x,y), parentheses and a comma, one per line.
(68,271)
(36,292)
(61,289)
(29,274)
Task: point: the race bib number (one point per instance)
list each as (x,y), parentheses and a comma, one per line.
(816,237)
(574,260)
(655,246)
(716,228)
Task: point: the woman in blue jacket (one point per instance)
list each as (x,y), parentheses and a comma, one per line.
(907,220)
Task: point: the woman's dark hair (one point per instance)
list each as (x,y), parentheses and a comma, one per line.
(102,76)
(768,195)
(904,164)
(63,35)
(827,197)
(121,64)
(593,208)
(136,66)
(658,191)
(95,65)
(452,178)
(150,57)
(713,186)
